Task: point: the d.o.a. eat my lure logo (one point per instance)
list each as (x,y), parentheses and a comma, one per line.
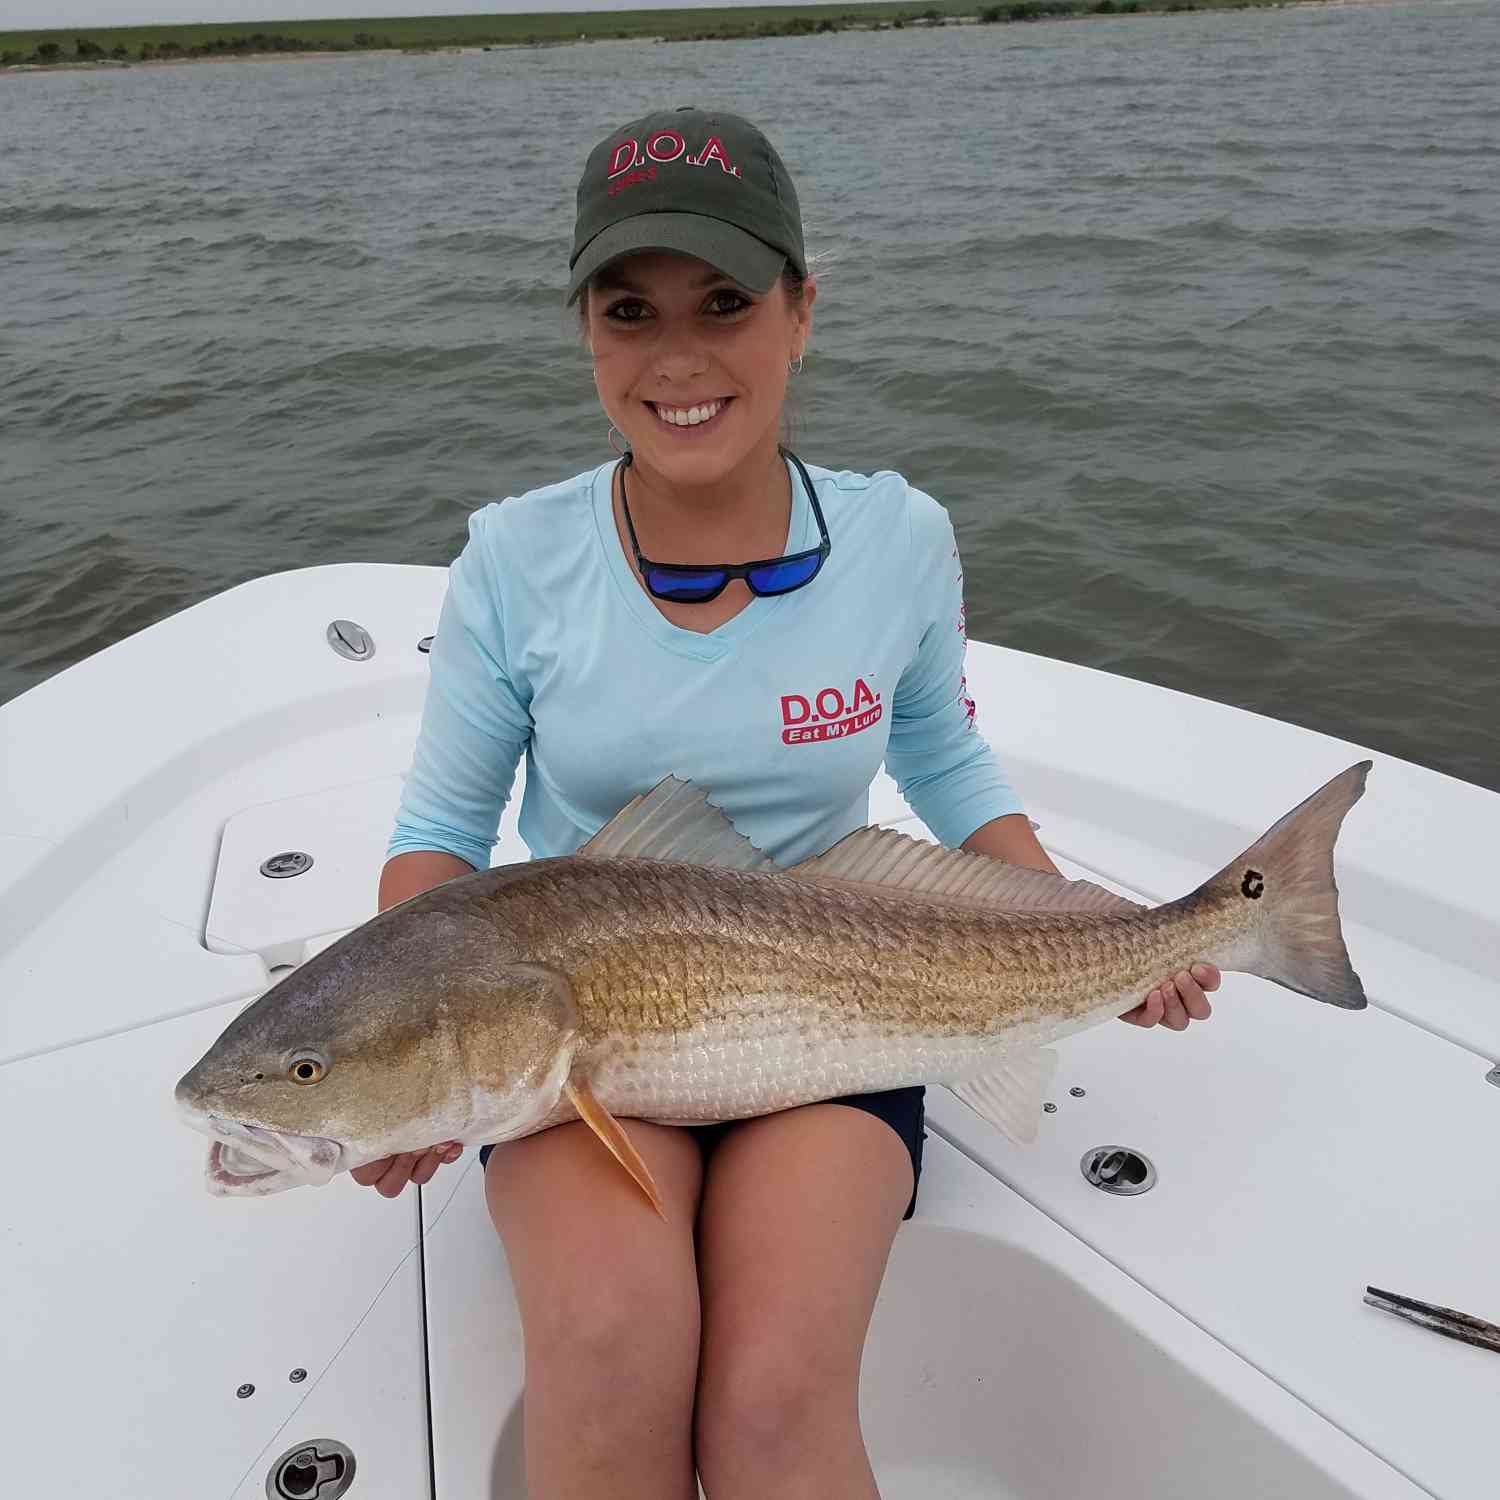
(828,714)
(631,163)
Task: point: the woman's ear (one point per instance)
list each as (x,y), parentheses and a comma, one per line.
(805,307)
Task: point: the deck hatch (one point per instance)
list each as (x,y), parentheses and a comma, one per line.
(1118,1170)
(320,1470)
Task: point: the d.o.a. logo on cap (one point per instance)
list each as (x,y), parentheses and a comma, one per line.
(631,163)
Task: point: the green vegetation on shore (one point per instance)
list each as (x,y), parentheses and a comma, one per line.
(124,44)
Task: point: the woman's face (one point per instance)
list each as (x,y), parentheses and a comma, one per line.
(690,366)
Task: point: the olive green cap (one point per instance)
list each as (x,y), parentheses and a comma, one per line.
(697,181)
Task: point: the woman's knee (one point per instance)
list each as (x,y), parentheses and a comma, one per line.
(764,1405)
(618,1374)
(607,1291)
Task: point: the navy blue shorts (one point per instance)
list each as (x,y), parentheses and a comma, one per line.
(902,1109)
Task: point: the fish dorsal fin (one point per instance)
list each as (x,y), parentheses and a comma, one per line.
(676,821)
(1009,1093)
(886,860)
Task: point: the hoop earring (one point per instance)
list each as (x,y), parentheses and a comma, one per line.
(623,452)
(794,366)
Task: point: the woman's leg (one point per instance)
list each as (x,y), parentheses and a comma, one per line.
(608,1295)
(798,1214)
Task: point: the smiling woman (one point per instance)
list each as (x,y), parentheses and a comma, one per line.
(643,318)
(771,631)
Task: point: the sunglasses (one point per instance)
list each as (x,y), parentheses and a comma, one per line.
(697,583)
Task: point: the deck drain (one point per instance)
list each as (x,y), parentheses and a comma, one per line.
(320,1470)
(1119,1170)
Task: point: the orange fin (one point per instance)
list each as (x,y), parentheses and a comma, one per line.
(612,1133)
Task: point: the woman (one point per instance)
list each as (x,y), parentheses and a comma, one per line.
(592,626)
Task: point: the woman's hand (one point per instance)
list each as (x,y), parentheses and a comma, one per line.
(391,1173)
(1174,1000)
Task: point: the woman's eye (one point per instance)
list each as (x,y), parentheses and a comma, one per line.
(724,303)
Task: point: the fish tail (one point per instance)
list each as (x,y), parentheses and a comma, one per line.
(1296,940)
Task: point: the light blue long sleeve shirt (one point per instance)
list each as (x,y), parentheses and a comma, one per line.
(548,646)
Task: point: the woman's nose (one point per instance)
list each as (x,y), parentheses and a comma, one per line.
(679,356)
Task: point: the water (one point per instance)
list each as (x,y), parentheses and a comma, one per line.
(1193,322)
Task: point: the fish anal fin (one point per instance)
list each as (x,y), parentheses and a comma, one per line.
(612,1133)
(1009,1094)
(676,821)
(883,860)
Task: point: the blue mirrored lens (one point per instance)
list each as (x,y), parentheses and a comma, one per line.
(788,573)
(686,586)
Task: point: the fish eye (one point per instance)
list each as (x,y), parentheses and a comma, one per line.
(305,1070)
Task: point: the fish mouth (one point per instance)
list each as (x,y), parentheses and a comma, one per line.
(230,1171)
(248,1160)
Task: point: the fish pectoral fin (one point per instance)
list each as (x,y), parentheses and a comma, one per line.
(612,1133)
(1009,1094)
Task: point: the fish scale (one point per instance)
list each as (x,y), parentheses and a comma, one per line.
(824,961)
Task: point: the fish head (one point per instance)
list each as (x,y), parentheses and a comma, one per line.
(419,1027)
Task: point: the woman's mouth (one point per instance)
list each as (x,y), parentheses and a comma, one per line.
(702,414)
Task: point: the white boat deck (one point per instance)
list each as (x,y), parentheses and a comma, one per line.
(1035,1337)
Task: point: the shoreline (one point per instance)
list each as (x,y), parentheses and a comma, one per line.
(455,49)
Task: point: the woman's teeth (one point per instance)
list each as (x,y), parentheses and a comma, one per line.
(687,416)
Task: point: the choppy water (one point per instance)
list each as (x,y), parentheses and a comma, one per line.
(1192,321)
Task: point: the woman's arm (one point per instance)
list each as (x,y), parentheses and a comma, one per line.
(476,721)
(948,774)
(408,875)
(944,768)
(1173,1001)
(475,726)
(1011,839)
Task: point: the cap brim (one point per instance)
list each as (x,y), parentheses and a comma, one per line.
(727,247)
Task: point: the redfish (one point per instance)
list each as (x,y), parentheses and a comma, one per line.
(669,971)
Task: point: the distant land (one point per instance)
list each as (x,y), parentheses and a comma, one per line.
(123,46)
